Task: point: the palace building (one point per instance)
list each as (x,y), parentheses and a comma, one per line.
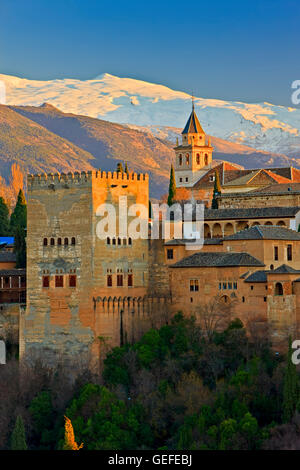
(87,293)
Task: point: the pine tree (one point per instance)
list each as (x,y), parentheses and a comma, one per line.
(126,169)
(18,437)
(290,388)
(217,191)
(70,443)
(19,216)
(4,218)
(172,187)
(120,168)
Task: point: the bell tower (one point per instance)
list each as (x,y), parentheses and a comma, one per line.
(194,154)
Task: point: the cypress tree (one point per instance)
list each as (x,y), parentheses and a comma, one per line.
(120,168)
(20,247)
(172,187)
(4,218)
(19,216)
(18,437)
(18,222)
(290,388)
(126,169)
(217,191)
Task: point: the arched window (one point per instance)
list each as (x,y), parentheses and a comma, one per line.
(206,159)
(52,242)
(45,241)
(108,241)
(66,241)
(113,241)
(180,159)
(59,241)
(129,241)
(187,158)
(119,241)
(73,241)
(278,288)
(124,241)
(198,159)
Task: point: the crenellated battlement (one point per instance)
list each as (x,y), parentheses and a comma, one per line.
(83,178)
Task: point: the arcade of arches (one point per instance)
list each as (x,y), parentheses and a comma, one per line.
(223,229)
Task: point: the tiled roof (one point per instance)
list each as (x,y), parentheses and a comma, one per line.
(231,175)
(257,276)
(193,125)
(182,241)
(7,257)
(265,232)
(272,189)
(285,269)
(12,272)
(218,260)
(250,213)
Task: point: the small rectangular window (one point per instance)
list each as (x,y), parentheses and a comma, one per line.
(220,285)
(235,285)
(170,254)
(46,281)
(194,285)
(120,280)
(72,281)
(59,281)
(289,253)
(229,285)
(224,285)
(276,253)
(109,280)
(130,280)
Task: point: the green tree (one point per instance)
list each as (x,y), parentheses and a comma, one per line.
(172,187)
(217,191)
(19,216)
(120,168)
(20,247)
(41,410)
(290,388)
(126,169)
(18,222)
(4,218)
(18,437)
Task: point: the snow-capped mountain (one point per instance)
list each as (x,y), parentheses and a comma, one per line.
(262,126)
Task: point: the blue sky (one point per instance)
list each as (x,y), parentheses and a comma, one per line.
(241,50)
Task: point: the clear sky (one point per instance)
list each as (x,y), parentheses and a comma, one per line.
(240,50)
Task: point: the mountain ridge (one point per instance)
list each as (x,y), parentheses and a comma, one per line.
(263,126)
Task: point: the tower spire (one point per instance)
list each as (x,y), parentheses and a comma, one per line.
(193,102)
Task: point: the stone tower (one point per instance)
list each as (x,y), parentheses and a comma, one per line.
(194,155)
(83,291)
